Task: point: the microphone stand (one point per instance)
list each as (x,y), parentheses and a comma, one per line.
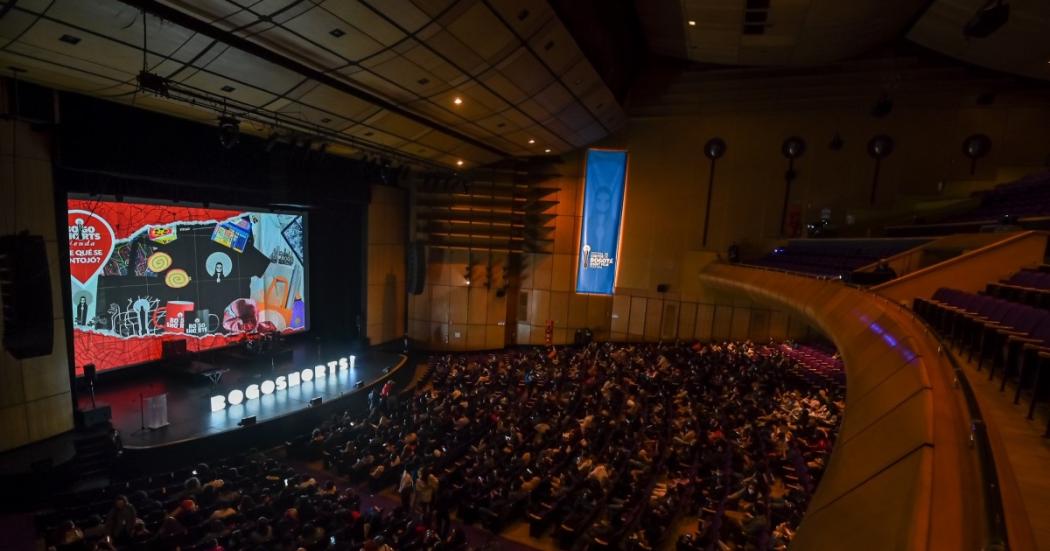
(142,415)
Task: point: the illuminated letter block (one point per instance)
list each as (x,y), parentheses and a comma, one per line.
(218,403)
(281,383)
(267,387)
(252,392)
(235,397)
(294,379)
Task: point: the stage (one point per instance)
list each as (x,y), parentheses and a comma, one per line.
(189,395)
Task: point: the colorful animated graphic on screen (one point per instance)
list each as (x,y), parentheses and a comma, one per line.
(145,274)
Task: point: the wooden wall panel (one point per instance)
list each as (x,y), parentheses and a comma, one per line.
(636,320)
(687,320)
(35,399)
(741,323)
(654,311)
(723,322)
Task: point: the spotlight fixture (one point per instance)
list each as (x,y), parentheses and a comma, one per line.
(227,88)
(988,19)
(459,162)
(548,150)
(229,131)
(531,141)
(692,23)
(338,33)
(457,100)
(70,39)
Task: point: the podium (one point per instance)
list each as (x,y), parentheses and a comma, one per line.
(156,411)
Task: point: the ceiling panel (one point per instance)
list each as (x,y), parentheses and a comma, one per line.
(404,13)
(449,47)
(525,71)
(479,29)
(336,65)
(352,12)
(525,17)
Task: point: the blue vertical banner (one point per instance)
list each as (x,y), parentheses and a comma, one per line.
(603,195)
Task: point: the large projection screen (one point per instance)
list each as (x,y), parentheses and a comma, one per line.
(145,274)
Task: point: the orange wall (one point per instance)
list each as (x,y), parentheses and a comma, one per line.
(386,265)
(35,398)
(668,172)
(452,315)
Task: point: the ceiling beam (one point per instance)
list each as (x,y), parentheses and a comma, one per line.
(191,23)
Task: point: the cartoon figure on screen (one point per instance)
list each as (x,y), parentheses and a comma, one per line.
(82,310)
(216,265)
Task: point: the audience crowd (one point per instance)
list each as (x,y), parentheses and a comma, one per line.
(604,446)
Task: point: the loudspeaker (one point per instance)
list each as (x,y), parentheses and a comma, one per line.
(94,417)
(247,421)
(416,267)
(89,373)
(662,288)
(314,402)
(25,292)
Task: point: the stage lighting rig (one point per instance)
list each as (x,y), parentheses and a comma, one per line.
(152,82)
(229,131)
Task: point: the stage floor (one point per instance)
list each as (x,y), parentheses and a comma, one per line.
(189,407)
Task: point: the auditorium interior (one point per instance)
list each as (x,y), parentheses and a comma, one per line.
(581,275)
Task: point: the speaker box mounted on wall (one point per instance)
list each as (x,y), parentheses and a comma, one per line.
(25,293)
(416,268)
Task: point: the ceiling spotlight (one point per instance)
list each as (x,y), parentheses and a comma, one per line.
(459,162)
(457,100)
(548,150)
(692,23)
(531,141)
(229,131)
(993,15)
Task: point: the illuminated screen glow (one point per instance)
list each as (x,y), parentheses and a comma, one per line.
(603,197)
(145,274)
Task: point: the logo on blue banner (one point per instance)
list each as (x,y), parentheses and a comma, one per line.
(602,214)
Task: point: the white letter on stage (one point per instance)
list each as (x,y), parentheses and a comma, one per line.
(352,358)
(218,403)
(252,392)
(320,371)
(307,375)
(235,397)
(281,384)
(332,365)
(343,364)
(293,379)
(267,387)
